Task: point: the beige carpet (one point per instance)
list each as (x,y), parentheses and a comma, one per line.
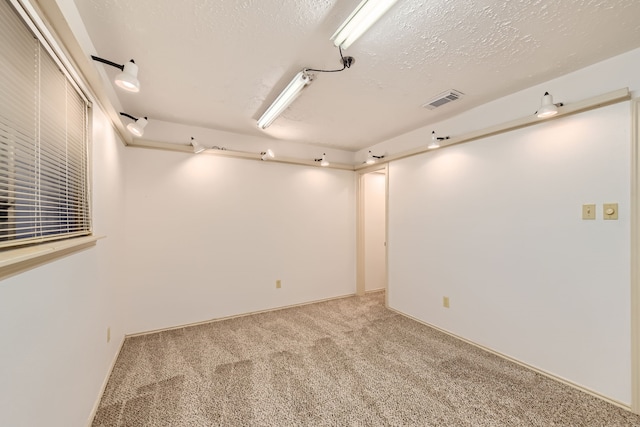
(347,362)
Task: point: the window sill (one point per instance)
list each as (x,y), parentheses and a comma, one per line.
(16,261)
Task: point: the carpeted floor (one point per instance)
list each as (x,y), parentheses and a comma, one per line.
(346,362)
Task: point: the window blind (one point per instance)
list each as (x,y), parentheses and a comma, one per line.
(44,191)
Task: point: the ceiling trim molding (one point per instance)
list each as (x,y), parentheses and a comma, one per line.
(247,155)
(603,100)
(608,98)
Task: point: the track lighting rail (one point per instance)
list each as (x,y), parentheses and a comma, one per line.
(609,98)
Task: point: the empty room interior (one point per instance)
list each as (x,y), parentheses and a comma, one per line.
(453,172)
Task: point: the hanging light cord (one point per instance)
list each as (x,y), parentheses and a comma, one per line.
(347,62)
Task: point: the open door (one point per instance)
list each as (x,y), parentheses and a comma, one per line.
(372,230)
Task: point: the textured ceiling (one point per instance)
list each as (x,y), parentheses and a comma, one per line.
(219,64)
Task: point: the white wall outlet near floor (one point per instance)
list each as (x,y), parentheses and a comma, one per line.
(278,284)
(445,302)
(108,334)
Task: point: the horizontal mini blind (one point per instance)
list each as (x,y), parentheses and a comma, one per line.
(44,192)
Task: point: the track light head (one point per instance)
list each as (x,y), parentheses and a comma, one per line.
(435,140)
(197,148)
(323,160)
(136,128)
(547,107)
(266,155)
(128,78)
(371,159)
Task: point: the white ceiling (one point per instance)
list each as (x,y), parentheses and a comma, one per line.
(219,64)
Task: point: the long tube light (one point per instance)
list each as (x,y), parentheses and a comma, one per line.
(288,95)
(360,20)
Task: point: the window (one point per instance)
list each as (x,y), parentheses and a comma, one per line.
(44,191)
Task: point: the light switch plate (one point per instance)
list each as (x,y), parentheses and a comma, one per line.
(610,211)
(588,211)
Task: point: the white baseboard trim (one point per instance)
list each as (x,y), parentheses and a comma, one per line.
(373,291)
(521,363)
(96,405)
(235,316)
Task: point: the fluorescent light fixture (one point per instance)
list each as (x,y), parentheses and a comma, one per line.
(266,155)
(128,78)
(288,95)
(136,128)
(197,148)
(547,107)
(360,20)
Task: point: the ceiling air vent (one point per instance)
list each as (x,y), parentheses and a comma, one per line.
(443,98)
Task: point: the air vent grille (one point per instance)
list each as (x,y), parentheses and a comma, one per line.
(443,98)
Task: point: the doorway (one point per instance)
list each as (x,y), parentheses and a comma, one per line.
(372,230)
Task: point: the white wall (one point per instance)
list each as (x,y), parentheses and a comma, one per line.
(195,237)
(496,226)
(493,224)
(208,236)
(375,227)
(53,319)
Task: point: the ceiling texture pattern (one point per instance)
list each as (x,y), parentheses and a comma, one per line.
(220,64)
